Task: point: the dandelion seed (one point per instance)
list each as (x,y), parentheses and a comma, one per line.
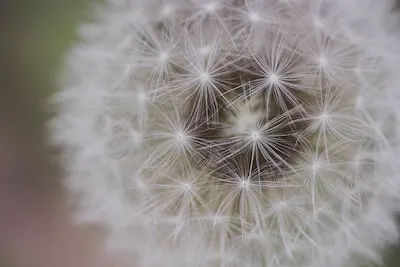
(254,17)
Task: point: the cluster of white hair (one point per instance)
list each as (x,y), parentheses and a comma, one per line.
(221,133)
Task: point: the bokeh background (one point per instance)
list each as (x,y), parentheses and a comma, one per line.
(35,227)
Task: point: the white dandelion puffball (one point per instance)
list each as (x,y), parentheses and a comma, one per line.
(259,133)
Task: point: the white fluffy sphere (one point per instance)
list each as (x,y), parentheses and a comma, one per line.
(217,133)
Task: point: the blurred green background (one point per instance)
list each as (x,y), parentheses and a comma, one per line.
(34,38)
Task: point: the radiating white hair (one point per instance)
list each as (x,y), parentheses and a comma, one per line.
(235,132)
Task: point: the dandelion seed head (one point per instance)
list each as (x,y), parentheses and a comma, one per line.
(234,133)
